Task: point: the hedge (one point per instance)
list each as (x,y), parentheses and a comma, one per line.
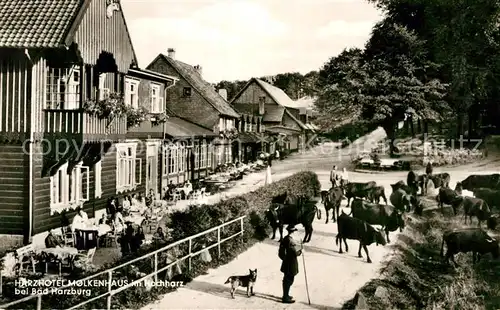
(187,223)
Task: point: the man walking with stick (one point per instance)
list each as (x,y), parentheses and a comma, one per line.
(288,253)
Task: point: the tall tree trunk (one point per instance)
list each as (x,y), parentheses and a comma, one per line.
(389,127)
(412,127)
(460,124)
(419,126)
(426,126)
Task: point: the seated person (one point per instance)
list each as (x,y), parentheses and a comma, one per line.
(150,198)
(51,241)
(119,222)
(134,200)
(103,219)
(159,236)
(126,204)
(80,220)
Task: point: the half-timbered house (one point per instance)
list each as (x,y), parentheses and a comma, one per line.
(279,117)
(196,100)
(55,154)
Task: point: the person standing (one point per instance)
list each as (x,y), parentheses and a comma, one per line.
(344,178)
(288,253)
(428,169)
(277,154)
(334,176)
(268,172)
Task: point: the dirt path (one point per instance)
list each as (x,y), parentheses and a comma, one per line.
(333,278)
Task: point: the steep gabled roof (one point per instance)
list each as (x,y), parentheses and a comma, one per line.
(36,23)
(295,119)
(279,96)
(204,88)
(43,23)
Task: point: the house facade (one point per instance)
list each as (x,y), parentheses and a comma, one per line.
(279,118)
(59,148)
(195,100)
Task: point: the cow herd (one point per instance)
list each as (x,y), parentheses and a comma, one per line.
(366,211)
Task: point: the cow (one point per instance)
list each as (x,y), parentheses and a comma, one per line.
(449,197)
(356,229)
(459,188)
(377,214)
(374,194)
(403,186)
(475,207)
(296,213)
(465,240)
(357,190)
(481,181)
(490,196)
(412,181)
(331,200)
(401,200)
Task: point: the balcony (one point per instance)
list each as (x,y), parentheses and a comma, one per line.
(82,126)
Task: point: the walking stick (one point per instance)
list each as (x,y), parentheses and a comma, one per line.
(305,273)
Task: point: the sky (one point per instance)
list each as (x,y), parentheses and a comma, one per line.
(241,39)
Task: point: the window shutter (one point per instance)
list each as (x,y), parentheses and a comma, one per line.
(84,183)
(138,176)
(162,105)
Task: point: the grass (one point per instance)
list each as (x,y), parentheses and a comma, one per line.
(417,278)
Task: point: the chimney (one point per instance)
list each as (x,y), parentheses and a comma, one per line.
(171,53)
(198,69)
(223,93)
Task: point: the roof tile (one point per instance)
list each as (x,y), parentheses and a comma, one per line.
(189,73)
(36,23)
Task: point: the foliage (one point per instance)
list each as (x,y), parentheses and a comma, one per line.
(159,118)
(384,83)
(114,106)
(230,134)
(464,38)
(135,116)
(417,278)
(107,108)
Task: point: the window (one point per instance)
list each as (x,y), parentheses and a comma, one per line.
(63,88)
(196,152)
(262,101)
(219,154)
(203,155)
(182,159)
(103,91)
(131,96)
(221,125)
(209,155)
(128,167)
(69,188)
(97,179)
(248,127)
(166,159)
(155,98)
(262,128)
(228,154)
(173,166)
(187,92)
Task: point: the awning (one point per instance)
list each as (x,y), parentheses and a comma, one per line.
(251,137)
(283,129)
(178,128)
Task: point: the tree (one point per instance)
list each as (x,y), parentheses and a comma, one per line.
(463,36)
(384,82)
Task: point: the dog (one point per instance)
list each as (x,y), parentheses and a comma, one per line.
(247,281)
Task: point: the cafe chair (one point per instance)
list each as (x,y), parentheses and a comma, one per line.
(85,259)
(68,237)
(112,237)
(25,258)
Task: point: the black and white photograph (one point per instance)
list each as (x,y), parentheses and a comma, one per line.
(249,154)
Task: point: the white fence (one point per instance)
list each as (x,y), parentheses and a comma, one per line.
(154,256)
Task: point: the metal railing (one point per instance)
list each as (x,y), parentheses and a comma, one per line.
(154,255)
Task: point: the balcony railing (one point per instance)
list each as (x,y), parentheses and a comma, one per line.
(80,122)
